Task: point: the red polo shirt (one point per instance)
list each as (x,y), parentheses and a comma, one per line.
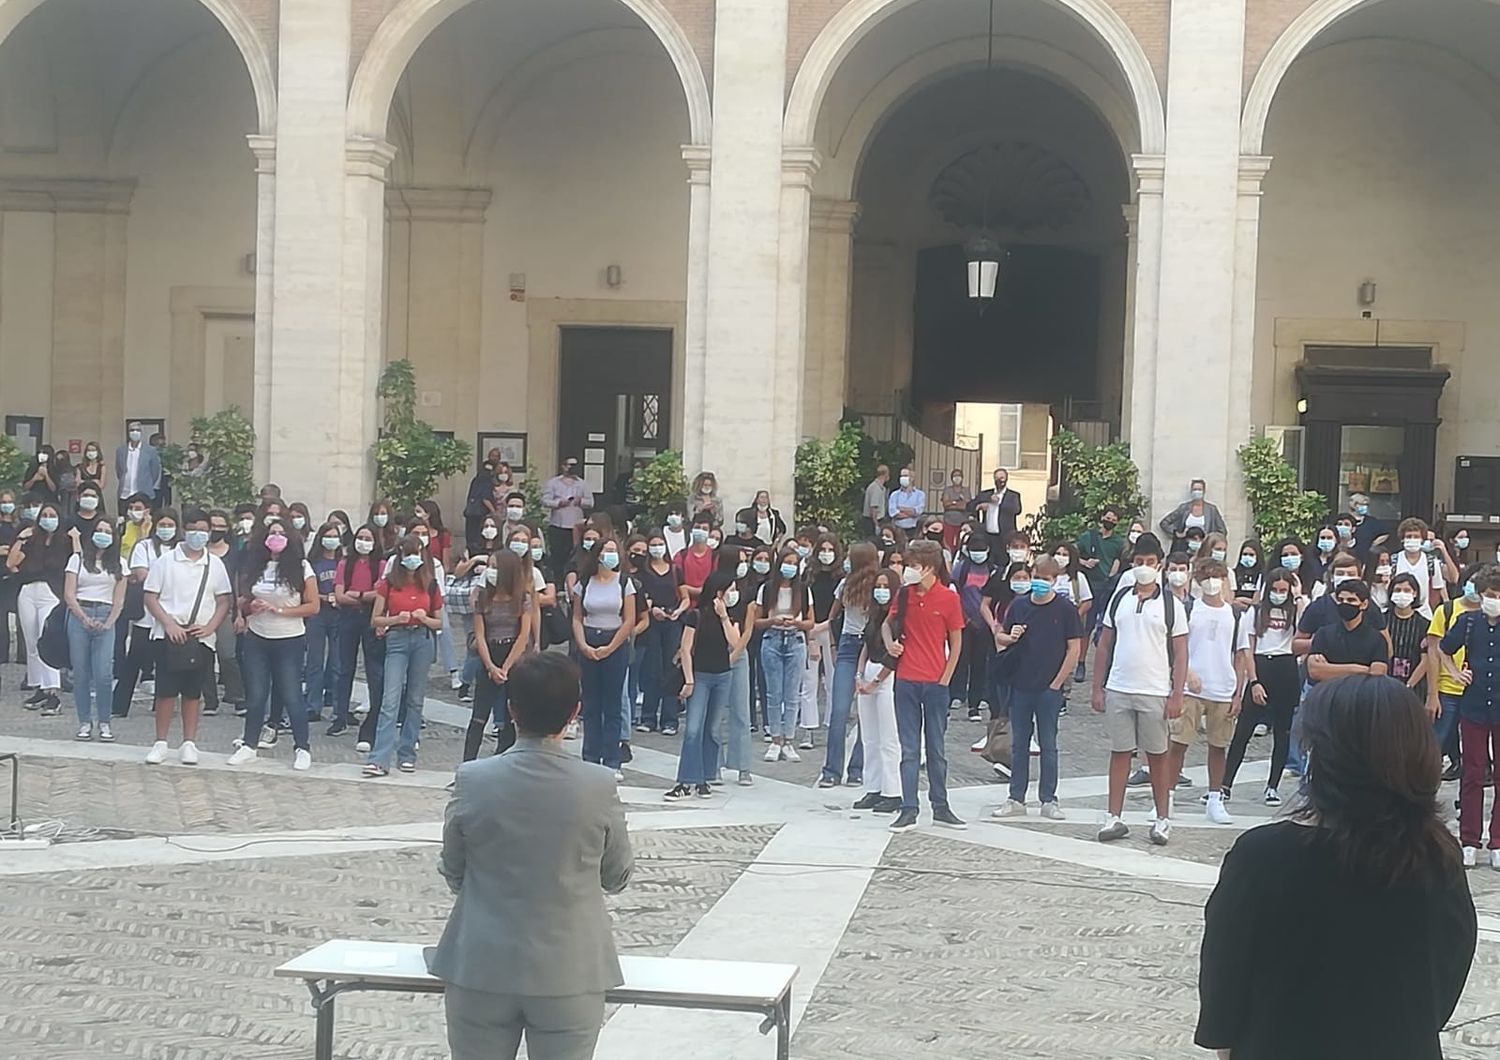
(930,617)
(695,569)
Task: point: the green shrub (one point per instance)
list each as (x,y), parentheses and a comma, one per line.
(227,441)
(1094,477)
(410,458)
(1282,507)
(827,473)
(13,462)
(659,485)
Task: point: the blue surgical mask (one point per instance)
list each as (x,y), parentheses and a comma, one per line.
(30,514)
(1291,562)
(412,561)
(536,555)
(980,556)
(520,548)
(742,570)
(1194,544)
(1247,561)
(761,567)
(589,543)
(380,518)
(1197,495)
(674,521)
(1471,592)
(1344,532)
(700,535)
(1361,509)
(609,560)
(1277,598)
(1040,587)
(9,507)
(331,544)
(1325,545)
(804,550)
(102,539)
(847,565)
(47,523)
(882,595)
(165,534)
(788,570)
(195,539)
(1020,586)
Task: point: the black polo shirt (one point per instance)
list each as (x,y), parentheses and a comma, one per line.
(1362,645)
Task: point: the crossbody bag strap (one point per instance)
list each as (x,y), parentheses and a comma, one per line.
(202,585)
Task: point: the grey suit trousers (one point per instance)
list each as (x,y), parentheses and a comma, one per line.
(485,1026)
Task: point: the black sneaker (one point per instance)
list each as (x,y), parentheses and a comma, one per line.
(240,710)
(703,791)
(1183,782)
(678,793)
(338,728)
(905,821)
(51,707)
(1139,779)
(1454,771)
(974,714)
(888,805)
(869,802)
(827,782)
(35,700)
(625,753)
(212,709)
(465,694)
(947,818)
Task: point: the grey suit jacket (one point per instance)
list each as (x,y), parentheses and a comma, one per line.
(147,471)
(532,841)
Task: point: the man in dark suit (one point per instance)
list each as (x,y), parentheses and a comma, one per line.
(533,840)
(998,509)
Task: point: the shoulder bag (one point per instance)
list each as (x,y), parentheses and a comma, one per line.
(192,654)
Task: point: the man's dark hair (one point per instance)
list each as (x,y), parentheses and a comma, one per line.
(703,519)
(1148,544)
(515,495)
(137,497)
(193,515)
(1180,558)
(1355,586)
(1487,580)
(544,693)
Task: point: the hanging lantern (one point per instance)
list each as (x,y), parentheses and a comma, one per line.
(984,257)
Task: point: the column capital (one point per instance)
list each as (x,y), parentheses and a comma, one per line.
(799,165)
(699,159)
(456,205)
(368,156)
(838,216)
(1150,173)
(1253,170)
(264,149)
(65,195)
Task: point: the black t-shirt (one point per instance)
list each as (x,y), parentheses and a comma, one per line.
(822,584)
(1324,611)
(1042,647)
(1380,968)
(1246,581)
(660,590)
(710,646)
(875,643)
(1407,636)
(1363,644)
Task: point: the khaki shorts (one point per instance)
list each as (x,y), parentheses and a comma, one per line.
(1135,722)
(1219,730)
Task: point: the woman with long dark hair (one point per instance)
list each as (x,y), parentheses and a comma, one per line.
(320,670)
(94,592)
(1364,884)
(354,591)
(408,613)
(665,600)
(853,604)
(876,688)
(503,611)
(277,591)
(39,558)
(709,638)
(783,613)
(1271,695)
(603,617)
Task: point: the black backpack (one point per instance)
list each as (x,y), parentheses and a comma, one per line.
(1169,615)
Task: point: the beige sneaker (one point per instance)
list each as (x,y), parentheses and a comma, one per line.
(1009,808)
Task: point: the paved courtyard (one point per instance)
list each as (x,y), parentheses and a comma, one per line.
(151,929)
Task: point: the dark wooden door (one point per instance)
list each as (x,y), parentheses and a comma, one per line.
(615,405)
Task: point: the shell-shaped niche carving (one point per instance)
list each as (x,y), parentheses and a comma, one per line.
(1013,186)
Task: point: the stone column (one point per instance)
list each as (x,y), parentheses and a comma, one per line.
(314,447)
(798,167)
(264,149)
(1138,406)
(830,261)
(1189,438)
(739,426)
(695,367)
(1253,169)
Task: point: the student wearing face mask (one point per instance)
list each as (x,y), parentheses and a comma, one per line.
(441,544)
(1325,544)
(226,649)
(955,499)
(1425,558)
(768,527)
(479,501)
(38,559)
(459,587)
(10,585)
(1351,644)
(695,563)
(710,638)
(1407,621)
(407,613)
(242,527)
(512,516)
(354,592)
(320,667)
(382,519)
(1377,575)
(783,613)
(278,592)
(299,522)
(674,530)
(634,560)
(1274,685)
(908,502)
(664,599)
(1192,542)
(849,616)
(1445,691)
(136,662)
(877,699)
(762,559)
(40,480)
(502,608)
(973,573)
(604,613)
(89,503)
(1013,582)
(1099,550)
(1477,635)
(91,469)
(1193,513)
(824,570)
(1249,574)
(744,530)
(94,592)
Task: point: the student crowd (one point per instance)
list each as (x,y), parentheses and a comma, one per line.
(722,625)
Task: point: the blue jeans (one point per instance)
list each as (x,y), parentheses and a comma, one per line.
(1038,707)
(354,627)
(603,681)
(1296,761)
(408,657)
(1445,725)
(320,672)
(838,713)
(698,762)
(273,665)
(737,748)
(92,653)
(631,686)
(655,650)
(783,656)
(922,711)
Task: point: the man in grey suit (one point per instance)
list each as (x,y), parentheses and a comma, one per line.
(532,841)
(137,466)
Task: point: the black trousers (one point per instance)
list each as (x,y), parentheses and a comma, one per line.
(559,546)
(1283,685)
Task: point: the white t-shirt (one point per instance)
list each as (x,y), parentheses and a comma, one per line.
(270,591)
(1210,652)
(538,582)
(1140,665)
(93,588)
(676,541)
(175,579)
(1418,568)
(1065,589)
(1281,627)
(146,552)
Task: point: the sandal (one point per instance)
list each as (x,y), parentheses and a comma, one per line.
(407,767)
(372,770)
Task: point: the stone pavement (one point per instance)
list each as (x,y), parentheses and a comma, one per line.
(1016,940)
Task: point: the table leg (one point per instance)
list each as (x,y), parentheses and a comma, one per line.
(784,1028)
(323,1049)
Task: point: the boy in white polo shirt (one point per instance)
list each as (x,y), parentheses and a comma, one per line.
(1140,669)
(1218,649)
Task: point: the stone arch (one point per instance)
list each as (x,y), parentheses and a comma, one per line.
(846,29)
(410,23)
(251,47)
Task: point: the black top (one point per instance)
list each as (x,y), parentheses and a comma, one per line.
(710,646)
(1407,638)
(1363,644)
(1480,639)
(875,643)
(42,562)
(823,583)
(660,589)
(1247,581)
(1378,969)
(1043,646)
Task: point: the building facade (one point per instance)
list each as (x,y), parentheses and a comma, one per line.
(613,226)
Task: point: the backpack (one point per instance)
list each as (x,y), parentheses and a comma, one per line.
(1169,615)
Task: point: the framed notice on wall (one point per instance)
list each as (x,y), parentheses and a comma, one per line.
(511,446)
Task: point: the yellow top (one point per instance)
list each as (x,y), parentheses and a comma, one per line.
(1447,686)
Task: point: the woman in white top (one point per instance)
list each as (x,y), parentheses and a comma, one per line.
(603,617)
(277,591)
(94,593)
(1272,691)
(140,655)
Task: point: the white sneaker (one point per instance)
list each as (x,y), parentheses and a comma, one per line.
(790,753)
(1471,857)
(1161,831)
(301,760)
(158,753)
(246,753)
(85,732)
(106,733)
(773,753)
(1215,811)
(1009,808)
(955,704)
(1053,812)
(619,777)
(363,747)
(455,682)
(1495,860)
(980,744)
(188,753)
(571,732)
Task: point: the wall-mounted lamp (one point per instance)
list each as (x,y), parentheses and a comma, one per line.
(1367,292)
(249,264)
(613,277)
(1302,405)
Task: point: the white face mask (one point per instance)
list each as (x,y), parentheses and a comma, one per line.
(1145,575)
(515,514)
(1212,586)
(1016,555)
(1403,598)
(1491,607)
(905,481)
(363,547)
(1384,570)
(489,533)
(1412,544)
(911,576)
(826,558)
(732,598)
(1177,578)
(491,576)
(1133,536)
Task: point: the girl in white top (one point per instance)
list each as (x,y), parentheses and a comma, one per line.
(277,591)
(1071,582)
(164,537)
(94,592)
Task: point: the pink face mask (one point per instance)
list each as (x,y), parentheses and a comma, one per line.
(275,543)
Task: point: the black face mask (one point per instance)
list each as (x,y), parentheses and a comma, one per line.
(217,535)
(638,558)
(1110,524)
(936,535)
(1348,612)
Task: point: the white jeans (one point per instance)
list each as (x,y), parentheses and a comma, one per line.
(34,604)
(877,727)
(819,671)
